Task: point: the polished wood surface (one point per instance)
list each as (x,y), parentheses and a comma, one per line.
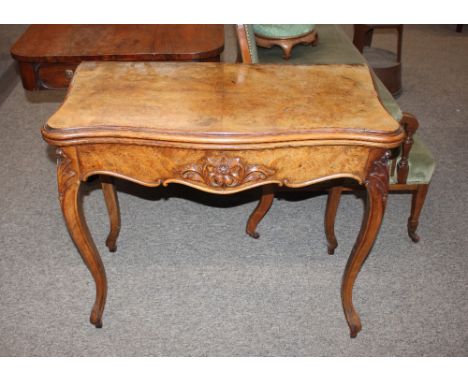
(187,128)
(224,103)
(49,54)
(76,43)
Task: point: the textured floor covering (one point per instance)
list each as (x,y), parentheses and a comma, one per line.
(186,280)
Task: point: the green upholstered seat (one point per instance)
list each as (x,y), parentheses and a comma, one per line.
(334,47)
(276,31)
(421,164)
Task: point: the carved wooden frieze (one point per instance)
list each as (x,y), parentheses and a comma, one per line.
(225,172)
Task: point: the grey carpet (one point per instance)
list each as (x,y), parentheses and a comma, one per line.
(186,280)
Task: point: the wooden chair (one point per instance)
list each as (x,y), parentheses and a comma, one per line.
(410,172)
(412,165)
(286,36)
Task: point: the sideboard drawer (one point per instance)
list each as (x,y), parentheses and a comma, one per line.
(53,76)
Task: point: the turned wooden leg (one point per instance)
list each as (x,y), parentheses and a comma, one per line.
(377,189)
(410,124)
(266,200)
(334,195)
(112,203)
(417,202)
(69,186)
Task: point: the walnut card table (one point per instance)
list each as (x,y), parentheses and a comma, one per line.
(220,128)
(49,54)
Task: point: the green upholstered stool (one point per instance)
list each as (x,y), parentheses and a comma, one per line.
(413,165)
(286,36)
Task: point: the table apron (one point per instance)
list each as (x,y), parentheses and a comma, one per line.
(220,171)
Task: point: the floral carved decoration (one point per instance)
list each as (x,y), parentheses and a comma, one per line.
(225,172)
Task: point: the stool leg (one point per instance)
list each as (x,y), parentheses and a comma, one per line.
(69,186)
(417,202)
(287,49)
(266,200)
(333,200)
(112,203)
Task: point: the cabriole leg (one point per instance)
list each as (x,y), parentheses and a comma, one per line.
(69,187)
(333,200)
(112,203)
(377,190)
(266,200)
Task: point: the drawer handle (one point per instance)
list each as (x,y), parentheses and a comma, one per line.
(68,74)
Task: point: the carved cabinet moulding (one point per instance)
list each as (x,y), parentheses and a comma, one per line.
(223,171)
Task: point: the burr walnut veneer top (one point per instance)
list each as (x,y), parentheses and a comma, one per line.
(223,103)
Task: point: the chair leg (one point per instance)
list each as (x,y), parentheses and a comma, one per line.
(334,195)
(266,200)
(417,202)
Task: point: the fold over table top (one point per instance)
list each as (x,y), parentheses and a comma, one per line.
(215,103)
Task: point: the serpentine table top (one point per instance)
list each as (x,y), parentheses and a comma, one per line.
(220,128)
(225,103)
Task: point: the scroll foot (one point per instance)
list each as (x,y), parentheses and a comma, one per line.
(354,330)
(96,322)
(412,232)
(254,234)
(111,245)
